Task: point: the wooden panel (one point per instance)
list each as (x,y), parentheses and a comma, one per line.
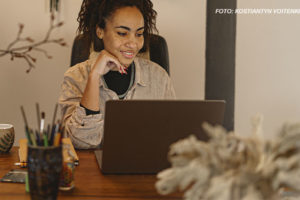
(220,57)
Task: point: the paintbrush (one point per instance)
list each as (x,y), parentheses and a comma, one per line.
(42,123)
(54,114)
(38,114)
(26,126)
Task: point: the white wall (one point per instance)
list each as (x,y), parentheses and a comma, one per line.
(267,66)
(182,23)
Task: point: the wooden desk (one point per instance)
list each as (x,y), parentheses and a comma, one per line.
(89,182)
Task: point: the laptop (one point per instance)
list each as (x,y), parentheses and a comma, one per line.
(138,133)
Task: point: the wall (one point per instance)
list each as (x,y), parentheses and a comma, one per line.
(267,66)
(182,23)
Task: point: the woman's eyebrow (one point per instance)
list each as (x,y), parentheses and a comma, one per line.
(127,28)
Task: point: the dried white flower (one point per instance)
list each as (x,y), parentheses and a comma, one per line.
(230,167)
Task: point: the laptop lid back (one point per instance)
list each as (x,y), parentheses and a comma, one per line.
(138,133)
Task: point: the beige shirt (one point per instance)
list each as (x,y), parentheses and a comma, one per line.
(86,131)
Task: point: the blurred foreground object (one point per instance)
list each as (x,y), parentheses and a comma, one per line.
(230,167)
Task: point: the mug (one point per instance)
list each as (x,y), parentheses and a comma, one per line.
(7,137)
(44,168)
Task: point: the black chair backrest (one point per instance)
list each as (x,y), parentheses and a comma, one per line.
(158,51)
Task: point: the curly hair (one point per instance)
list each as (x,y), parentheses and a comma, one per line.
(95,12)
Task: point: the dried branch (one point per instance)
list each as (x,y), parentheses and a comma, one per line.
(25,50)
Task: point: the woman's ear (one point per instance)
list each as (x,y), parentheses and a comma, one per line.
(99,32)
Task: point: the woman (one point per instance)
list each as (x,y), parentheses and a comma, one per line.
(114,73)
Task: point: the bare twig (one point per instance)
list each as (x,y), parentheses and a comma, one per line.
(25,50)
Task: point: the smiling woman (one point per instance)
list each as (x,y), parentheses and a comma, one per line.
(116,72)
(123,34)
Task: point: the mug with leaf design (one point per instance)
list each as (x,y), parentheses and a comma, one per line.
(7,137)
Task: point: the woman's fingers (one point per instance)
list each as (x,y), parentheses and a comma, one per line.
(106,62)
(114,64)
(123,69)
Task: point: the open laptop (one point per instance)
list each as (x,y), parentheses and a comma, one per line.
(138,133)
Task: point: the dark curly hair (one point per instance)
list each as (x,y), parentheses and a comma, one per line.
(95,12)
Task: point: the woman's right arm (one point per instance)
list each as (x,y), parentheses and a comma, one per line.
(78,87)
(85,131)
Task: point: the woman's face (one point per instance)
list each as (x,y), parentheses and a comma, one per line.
(123,34)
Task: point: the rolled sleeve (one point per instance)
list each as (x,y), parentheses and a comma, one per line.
(85,131)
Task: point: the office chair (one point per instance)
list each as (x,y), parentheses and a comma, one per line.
(158,50)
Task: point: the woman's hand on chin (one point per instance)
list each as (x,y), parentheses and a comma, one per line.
(106,62)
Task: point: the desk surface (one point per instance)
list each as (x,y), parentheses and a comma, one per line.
(89,182)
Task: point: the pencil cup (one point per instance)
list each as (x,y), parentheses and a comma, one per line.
(44,168)
(7,137)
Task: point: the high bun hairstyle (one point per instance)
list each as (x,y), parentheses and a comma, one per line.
(95,12)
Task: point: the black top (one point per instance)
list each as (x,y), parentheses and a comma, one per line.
(117,82)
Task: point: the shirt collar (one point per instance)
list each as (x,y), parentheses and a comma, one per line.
(139,78)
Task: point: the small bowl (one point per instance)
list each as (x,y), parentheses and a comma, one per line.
(7,137)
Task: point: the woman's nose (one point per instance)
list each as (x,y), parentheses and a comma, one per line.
(131,43)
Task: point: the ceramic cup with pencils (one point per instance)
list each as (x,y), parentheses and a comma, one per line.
(7,137)
(44,169)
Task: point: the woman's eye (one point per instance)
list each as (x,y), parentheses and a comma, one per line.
(121,33)
(139,34)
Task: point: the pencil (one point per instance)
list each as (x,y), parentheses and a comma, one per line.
(27,183)
(32,136)
(45,140)
(56,139)
(48,131)
(28,135)
(26,125)
(54,114)
(53,131)
(38,137)
(24,116)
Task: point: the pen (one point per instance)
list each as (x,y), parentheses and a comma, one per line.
(21,164)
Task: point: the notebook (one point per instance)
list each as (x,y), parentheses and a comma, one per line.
(138,133)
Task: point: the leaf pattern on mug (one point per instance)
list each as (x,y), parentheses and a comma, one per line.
(6,142)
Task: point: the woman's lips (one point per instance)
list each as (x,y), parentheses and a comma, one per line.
(127,54)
